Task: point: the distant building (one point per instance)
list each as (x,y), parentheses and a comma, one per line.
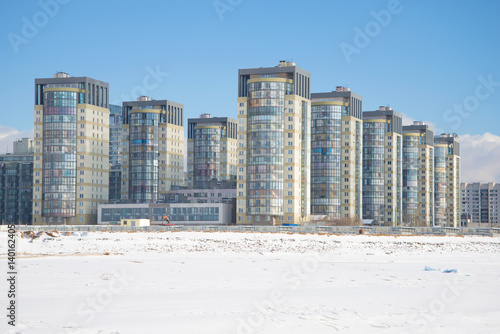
(23,146)
(71,167)
(153,149)
(418,175)
(336,153)
(115,153)
(274,145)
(447,199)
(215,192)
(212,150)
(16,184)
(480,204)
(383,166)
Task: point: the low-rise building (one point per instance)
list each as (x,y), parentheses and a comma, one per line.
(178,213)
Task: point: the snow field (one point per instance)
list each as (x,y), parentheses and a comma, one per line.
(196,282)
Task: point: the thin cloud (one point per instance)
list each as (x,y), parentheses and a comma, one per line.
(9,135)
(409,121)
(480,155)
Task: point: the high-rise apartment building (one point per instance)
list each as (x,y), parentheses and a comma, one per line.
(71,166)
(274,141)
(336,156)
(447,180)
(418,175)
(382,166)
(115,153)
(480,203)
(153,149)
(16,184)
(212,150)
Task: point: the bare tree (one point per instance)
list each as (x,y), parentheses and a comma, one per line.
(413,220)
(343,222)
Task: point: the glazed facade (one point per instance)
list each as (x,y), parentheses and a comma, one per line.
(59,147)
(274,145)
(265,148)
(143,156)
(115,135)
(115,153)
(71,149)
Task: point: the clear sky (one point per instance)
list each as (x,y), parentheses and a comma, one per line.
(434,61)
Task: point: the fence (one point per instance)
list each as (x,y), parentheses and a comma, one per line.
(269,229)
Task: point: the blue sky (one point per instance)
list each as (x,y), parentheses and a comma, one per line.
(424,59)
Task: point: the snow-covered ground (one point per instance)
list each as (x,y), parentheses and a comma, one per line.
(195,282)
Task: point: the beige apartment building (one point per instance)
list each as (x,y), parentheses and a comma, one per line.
(274,144)
(336,154)
(418,175)
(153,149)
(71,159)
(447,180)
(382,167)
(212,150)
